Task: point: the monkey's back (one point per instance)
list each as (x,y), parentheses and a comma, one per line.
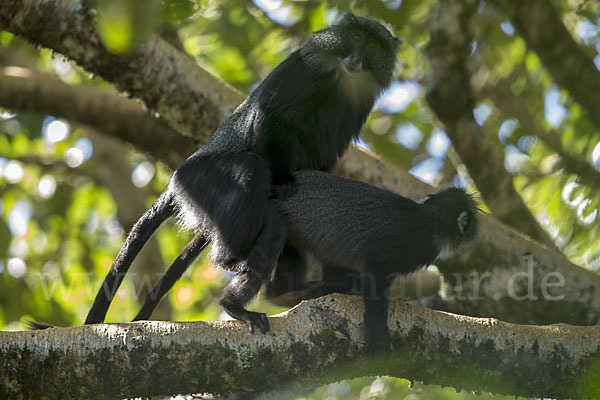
(344,222)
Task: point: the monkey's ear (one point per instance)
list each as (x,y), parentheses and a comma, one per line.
(348,18)
(463,220)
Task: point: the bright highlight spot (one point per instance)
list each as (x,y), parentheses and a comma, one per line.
(567,194)
(361,143)
(507,28)
(392,4)
(47,186)
(18,218)
(5,114)
(409,136)
(514,159)
(586,31)
(277,11)
(61,66)
(553,109)
(142,174)
(74,157)
(16,267)
(428,171)
(13,171)
(56,131)
(438,144)
(482,113)
(506,129)
(586,219)
(398,97)
(86,147)
(596,156)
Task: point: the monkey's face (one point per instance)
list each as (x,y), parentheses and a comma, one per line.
(360,51)
(456,213)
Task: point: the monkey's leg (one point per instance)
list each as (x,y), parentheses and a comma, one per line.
(137,238)
(290,274)
(289,286)
(340,280)
(260,263)
(374,290)
(175,271)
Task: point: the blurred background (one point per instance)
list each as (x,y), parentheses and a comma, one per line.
(70,193)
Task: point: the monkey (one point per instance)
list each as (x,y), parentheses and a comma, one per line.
(365,237)
(303,116)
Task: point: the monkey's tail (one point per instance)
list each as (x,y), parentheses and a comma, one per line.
(143,229)
(34,325)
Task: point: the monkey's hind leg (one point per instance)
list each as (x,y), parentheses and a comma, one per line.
(175,271)
(260,263)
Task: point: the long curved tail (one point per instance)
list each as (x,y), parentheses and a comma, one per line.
(143,229)
(175,271)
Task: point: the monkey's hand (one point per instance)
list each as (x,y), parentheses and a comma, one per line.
(251,318)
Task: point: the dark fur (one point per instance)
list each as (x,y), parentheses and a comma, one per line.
(302,116)
(365,237)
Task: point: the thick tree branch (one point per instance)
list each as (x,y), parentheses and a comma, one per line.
(500,249)
(189,98)
(544,31)
(317,342)
(29,90)
(450,97)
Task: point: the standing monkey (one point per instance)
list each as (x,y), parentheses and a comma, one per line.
(302,116)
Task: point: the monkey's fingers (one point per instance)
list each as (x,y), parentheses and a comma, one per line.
(258,319)
(251,318)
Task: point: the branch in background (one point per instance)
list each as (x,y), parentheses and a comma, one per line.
(449,95)
(149,266)
(516,107)
(26,89)
(307,346)
(500,250)
(189,98)
(544,31)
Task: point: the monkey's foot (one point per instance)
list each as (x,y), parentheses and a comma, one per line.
(251,318)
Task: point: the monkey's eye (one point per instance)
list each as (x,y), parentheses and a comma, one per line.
(372,44)
(357,37)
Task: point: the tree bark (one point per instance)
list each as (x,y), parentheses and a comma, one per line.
(30,90)
(315,343)
(189,98)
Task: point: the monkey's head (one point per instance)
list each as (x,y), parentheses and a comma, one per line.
(455,211)
(358,52)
